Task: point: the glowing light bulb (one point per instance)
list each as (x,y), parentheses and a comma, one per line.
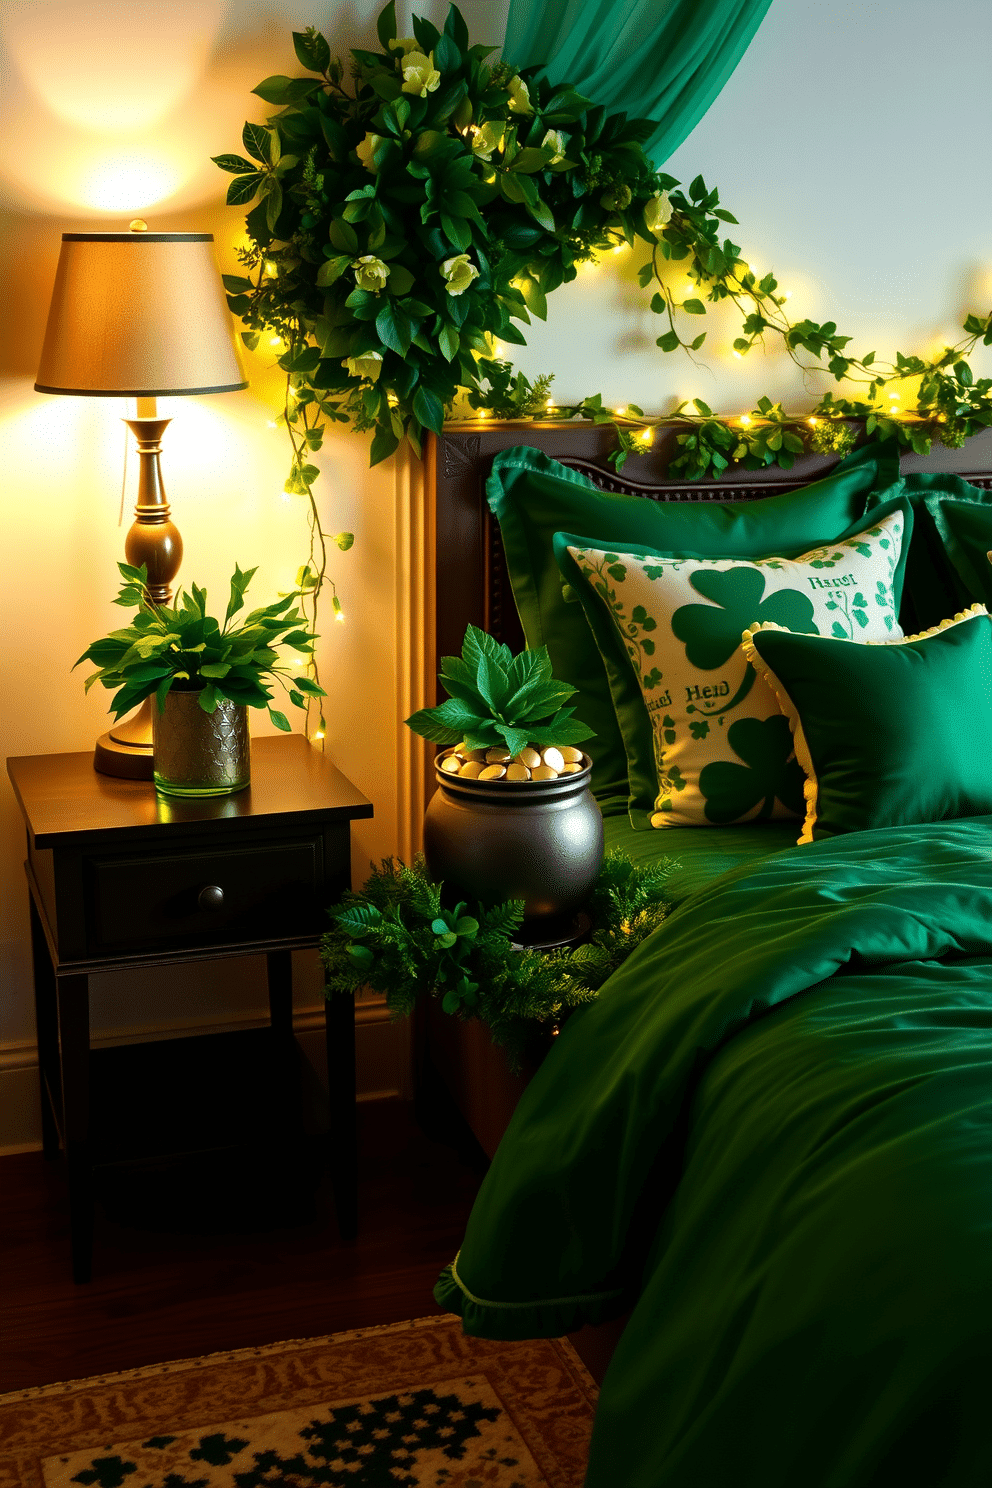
(483,413)
(275,340)
(319,734)
(271,269)
(745,418)
(787,294)
(737,354)
(893,397)
(812,423)
(646,436)
(339,617)
(550,403)
(619,248)
(620,411)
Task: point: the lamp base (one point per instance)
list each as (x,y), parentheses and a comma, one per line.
(126,749)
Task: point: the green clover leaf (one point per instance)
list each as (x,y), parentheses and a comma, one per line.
(712,633)
(768,773)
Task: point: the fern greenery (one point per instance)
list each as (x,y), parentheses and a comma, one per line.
(396,937)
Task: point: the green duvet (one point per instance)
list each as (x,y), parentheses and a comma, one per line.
(772,1135)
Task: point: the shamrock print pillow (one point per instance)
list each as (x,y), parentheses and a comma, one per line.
(715,747)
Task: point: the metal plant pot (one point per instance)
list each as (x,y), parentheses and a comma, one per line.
(198,753)
(536,840)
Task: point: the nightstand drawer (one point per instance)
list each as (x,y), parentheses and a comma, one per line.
(196,898)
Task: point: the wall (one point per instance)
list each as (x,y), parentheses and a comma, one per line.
(846,142)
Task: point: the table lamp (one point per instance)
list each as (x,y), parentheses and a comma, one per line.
(142,315)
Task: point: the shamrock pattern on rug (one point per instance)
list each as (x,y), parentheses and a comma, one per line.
(681,620)
(451,1435)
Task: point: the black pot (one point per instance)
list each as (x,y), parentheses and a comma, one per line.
(536,840)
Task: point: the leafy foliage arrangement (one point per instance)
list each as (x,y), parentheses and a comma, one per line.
(499,700)
(406,225)
(396,937)
(182,646)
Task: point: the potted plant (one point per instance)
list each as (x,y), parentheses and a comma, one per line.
(205,676)
(513,816)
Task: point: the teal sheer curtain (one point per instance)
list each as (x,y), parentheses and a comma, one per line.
(654,59)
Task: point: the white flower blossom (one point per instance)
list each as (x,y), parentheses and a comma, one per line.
(657,211)
(458,273)
(367,366)
(404,44)
(486,139)
(519,96)
(420,76)
(366,150)
(370,273)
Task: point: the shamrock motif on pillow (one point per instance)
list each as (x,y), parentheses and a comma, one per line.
(712,633)
(767,774)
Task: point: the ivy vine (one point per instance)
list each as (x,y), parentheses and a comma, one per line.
(409,220)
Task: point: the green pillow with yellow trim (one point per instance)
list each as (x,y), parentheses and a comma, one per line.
(889,734)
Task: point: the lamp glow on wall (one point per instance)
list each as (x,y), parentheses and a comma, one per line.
(142,315)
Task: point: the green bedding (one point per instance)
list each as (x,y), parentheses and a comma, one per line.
(772,1134)
(699,854)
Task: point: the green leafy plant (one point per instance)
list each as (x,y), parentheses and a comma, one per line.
(181,646)
(397,937)
(499,700)
(405,223)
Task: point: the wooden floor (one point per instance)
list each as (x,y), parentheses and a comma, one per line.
(157,1296)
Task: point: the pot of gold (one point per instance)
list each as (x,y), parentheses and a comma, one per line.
(513,816)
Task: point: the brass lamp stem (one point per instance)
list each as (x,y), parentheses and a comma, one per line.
(154,538)
(154,541)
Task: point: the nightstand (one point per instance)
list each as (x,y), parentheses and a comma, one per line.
(122,878)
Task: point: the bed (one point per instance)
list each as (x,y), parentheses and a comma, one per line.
(770,1140)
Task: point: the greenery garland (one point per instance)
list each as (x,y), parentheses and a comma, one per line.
(396,937)
(403,228)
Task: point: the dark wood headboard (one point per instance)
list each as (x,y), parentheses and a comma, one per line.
(471,579)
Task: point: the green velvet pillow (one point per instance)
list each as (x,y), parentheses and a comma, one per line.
(946,570)
(533,497)
(887,735)
(706,741)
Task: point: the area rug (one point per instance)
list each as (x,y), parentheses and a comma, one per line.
(411,1405)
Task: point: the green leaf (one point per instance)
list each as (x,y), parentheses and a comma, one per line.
(282,90)
(280,720)
(257,140)
(429,410)
(401,280)
(273,203)
(243,188)
(383,445)
(386,25)
(312,50)
(393,328)
(424,723)
(343,236)
(331,270)
(693,307)
(448,341)
(542,214)
(237,165)
(669,341)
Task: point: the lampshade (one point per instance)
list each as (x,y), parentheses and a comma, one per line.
(138,315)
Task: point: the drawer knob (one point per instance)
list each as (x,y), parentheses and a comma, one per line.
(212,897)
